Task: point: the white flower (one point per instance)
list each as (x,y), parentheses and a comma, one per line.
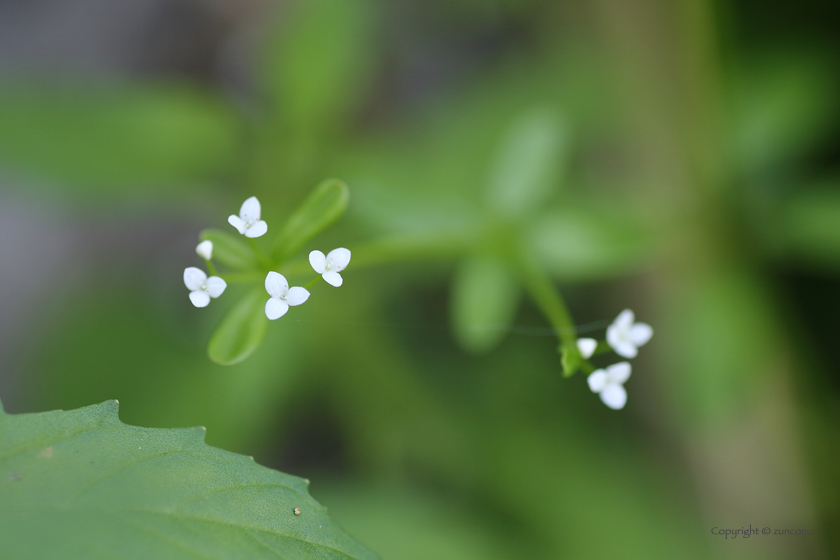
(281,295)
(330,266)
(609,384)
(205,250)
(587,347)
(202,288)
(625,335)
(248,222)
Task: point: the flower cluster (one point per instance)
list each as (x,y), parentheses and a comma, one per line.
(624,337)
(281,296)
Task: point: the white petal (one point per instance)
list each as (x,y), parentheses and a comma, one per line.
(297,295)
(275,308)
(624,320)
(318,261)
(340,259)
(640,333)
(597,380)
(614,396)
(619,373)
(586,346)
(250,211)
(332,278)
(257,229)
(215,286)
(626,349)
(200,298)
(194,278)
(615,336)
(236,222)
(276,285)
(205,250)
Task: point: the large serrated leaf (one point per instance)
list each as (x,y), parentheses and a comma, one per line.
(242,330)
(231,250)
(82,485)
(324,205)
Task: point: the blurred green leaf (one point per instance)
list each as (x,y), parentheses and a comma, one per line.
(242,330)
(578,244)
(324,205)
(319,63)
(81,484)
(230,250)
(485,296)
(782,105)
(98,139)
(529,162)
(808,228)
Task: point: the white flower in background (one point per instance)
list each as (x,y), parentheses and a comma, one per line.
(587,347)
(609,384)
(205,250)
(281,295)
(202,288)
(330,266)
(248,222)
(625,335)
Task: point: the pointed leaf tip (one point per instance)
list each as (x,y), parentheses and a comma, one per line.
(324,205)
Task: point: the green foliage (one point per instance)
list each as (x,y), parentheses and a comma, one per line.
(241,331)
(118,137)
(320,209)
(529,163)
(81,484)
(485,296)
(316,68)
(230,250)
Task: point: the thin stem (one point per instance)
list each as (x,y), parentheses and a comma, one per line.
(542,291)
(210,268)
(313,282)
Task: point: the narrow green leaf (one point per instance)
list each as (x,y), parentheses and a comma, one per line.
(242,330)
(806,229)
(529,163)
(319,67)
(784,104)
(485,296)
(83,485)
(580,244)
(117,137)
(230,250)
(325,204)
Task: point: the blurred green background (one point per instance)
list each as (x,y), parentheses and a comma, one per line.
(694,179)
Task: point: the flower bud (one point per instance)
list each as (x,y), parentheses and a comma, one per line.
(205,250)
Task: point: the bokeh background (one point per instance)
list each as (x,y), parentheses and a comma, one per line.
(700,158)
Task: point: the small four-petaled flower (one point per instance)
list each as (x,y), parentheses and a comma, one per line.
(625,335)
(281,295)
(248,222)
(202,288)
(609,384)
(329,266)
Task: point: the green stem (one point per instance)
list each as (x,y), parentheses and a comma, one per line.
(313,282)
(210,268)
(548,299)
